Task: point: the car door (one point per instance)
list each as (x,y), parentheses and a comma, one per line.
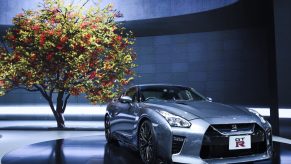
(125,114)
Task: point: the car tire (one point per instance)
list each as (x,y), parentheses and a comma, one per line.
(147,143)
(108,135)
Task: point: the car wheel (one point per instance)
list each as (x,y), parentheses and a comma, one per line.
(108,134)
(147,143)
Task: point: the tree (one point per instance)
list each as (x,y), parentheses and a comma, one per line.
(63,49)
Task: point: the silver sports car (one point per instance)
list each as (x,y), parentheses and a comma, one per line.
(177,124)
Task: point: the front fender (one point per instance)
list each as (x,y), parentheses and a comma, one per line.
(162,132)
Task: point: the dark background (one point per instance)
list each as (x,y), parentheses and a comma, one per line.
(224,53)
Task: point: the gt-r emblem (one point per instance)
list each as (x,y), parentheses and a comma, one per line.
(234,128)
(240,142)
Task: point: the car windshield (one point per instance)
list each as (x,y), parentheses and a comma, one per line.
(170,93)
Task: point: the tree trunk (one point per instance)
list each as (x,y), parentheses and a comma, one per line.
(60,120)
(60,106)
(59,110)
(58,116)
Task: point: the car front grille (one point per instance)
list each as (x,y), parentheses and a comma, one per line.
(234,128)
(216,142)
(177,144)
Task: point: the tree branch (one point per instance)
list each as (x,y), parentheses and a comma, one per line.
(51,92)
(48,98)
(44,94)
(65,103)
(84,4)
(80,10)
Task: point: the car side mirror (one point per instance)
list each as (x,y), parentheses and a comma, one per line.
(125,99)
(209,99)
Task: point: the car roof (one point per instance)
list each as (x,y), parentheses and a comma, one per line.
(158,84)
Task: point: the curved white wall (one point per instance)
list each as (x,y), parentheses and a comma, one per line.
(132,9)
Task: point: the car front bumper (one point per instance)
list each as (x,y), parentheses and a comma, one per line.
(192,143)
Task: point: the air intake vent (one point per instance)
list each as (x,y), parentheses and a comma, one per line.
(177,144)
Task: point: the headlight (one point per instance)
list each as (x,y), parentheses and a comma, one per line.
(257,114)
(174,120)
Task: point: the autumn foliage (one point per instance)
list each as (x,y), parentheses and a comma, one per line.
(64,49)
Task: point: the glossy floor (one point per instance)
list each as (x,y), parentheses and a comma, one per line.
(87,150)
(79,150)
(85,147)
(15,139)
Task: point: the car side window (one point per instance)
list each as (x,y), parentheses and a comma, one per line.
(132,93)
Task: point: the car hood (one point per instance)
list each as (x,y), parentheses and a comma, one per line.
(199,109)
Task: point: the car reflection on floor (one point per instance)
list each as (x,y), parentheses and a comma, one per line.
(85,150)
(119,154)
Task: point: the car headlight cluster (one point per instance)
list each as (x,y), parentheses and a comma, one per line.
(257,114)
(174,120)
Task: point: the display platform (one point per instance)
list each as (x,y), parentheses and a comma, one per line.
(88,150)
(80,150)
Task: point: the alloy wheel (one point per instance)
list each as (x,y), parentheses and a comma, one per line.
(146,143)
(107,129)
